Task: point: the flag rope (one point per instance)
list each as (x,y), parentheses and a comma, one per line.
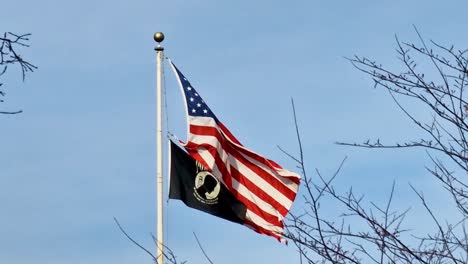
(168,135)
(166,112)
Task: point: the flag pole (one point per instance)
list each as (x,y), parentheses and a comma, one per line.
(159,37)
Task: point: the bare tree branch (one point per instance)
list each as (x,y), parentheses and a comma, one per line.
(10,56)
(201,248)
(366,232)
(133,241)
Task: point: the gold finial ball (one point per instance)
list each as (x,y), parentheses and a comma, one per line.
(158,36)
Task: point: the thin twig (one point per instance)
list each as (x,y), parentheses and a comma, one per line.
(201,248)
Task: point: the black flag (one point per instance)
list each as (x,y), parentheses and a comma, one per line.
(199,189)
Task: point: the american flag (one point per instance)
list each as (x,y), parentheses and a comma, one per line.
(266,189)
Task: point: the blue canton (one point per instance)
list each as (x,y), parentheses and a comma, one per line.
(195,104)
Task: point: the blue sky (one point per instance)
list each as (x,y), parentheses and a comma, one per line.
(83,151)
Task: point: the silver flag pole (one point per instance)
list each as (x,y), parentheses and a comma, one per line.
(159,37)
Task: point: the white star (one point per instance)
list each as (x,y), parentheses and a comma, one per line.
(189,88)
(205,111)
(196,94)
(198,105)
(194,111)
(191,99)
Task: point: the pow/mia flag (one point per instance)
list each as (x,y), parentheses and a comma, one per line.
(199,189)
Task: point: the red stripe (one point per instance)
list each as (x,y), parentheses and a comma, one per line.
(258,191)
(227,177)
(259,158)
(228,133)
(273,181)
(273,220)
(193,148)
(212,131)
(268,163)
(225,143)
(241,178)
(262,230)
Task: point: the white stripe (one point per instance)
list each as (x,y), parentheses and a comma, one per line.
(262,223)
(213,141)
(210,122)
(230,160)
(244,191)
(260,182)
(247,194)
(281,173)
(183,93)
(202,121)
